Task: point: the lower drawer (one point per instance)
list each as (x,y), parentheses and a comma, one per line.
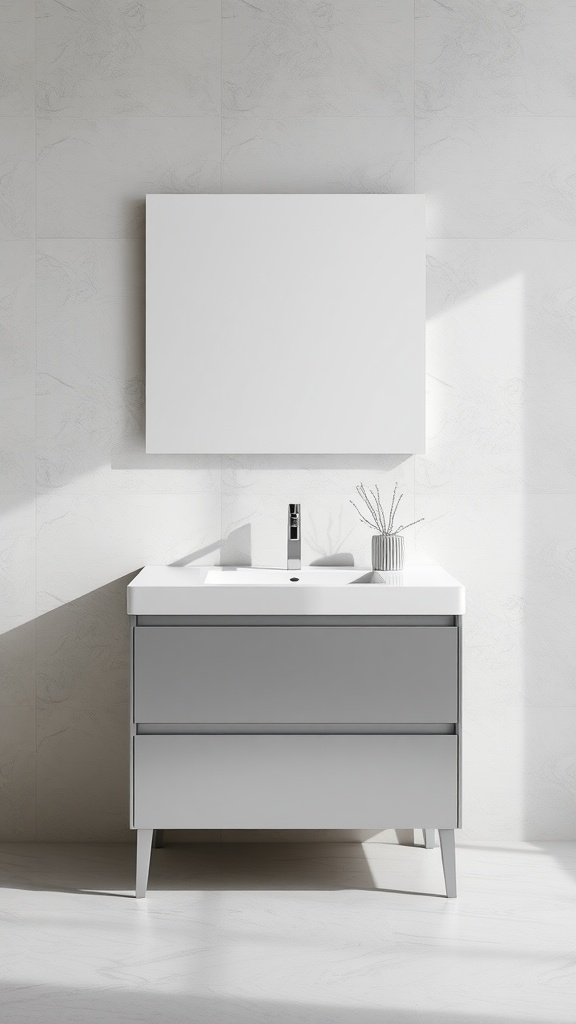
(289,781)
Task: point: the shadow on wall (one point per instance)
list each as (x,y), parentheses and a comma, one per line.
(65,770)
(68,780)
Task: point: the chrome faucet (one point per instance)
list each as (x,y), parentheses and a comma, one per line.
(294,542)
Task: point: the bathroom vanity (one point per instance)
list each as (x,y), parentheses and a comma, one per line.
(307,699)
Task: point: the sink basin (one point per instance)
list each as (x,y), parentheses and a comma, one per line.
(308,577)
(229,590)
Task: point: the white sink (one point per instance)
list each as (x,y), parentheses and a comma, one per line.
(308,577)
(208,590)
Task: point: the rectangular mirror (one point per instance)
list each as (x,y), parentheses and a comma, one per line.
(285,323)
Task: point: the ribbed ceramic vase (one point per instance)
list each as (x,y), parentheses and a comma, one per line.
(387,552)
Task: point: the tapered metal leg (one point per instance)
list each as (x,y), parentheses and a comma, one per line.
(448,860)
(158,838)
(143,851)
(429,838)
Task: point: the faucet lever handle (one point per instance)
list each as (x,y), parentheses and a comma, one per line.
(294,521)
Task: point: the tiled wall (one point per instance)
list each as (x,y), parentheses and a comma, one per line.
(102,101)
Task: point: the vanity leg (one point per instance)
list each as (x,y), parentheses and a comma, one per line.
(429,838)
(143,851)
(448,850)
(158,838)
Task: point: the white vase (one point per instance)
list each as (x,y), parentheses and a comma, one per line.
(387,552)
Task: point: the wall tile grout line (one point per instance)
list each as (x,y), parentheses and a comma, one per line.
(242,116)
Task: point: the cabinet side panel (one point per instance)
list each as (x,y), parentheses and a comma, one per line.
(460,622)
(132,624)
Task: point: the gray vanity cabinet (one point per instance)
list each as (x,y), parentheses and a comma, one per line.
(295,724)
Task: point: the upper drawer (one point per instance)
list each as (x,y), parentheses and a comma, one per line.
(300,674)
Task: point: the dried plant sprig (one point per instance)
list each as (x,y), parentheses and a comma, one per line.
(381,516)
(362,492)
(363,518)
(371,505)
(400,528)
(392,509)
(375,517)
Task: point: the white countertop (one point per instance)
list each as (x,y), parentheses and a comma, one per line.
(226,590)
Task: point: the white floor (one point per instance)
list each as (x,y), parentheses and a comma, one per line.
(297,933)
